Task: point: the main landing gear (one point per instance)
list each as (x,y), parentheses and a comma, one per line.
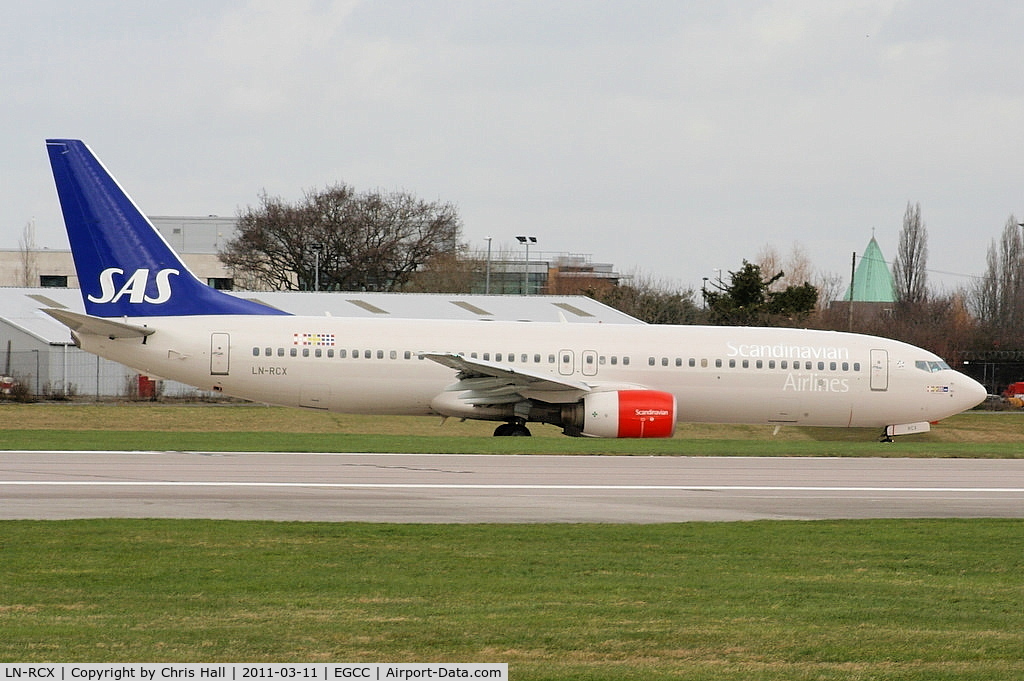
(514,429)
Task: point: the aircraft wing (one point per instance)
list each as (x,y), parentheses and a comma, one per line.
(97,326)
(486,382)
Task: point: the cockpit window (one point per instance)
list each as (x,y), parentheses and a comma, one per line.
(931,367)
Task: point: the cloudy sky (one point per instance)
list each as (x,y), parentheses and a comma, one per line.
(667,137)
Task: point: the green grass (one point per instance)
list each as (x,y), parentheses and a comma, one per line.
(248,427)
(907,599)
(321,442)
(876,599)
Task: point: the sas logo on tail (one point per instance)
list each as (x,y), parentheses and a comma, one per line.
(134,286)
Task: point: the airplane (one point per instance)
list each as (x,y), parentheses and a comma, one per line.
(146,310)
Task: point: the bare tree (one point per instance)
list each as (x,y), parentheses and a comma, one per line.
(830,287)
(798,271)
(341,239)
(998,297)
(448,273)
(909,271)
(27,250)
(651,300)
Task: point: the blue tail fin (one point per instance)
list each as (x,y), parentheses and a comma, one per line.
(125,268)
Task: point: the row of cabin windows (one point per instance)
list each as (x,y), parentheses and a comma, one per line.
(343,353)
(525,358)
(783,364)
(329,352)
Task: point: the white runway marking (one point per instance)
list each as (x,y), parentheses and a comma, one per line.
(454,486)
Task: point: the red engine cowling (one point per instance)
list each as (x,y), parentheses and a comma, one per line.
(629,413)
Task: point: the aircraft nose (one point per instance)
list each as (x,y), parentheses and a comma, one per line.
(969,392)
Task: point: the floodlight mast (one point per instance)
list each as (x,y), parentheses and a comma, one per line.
(526,241)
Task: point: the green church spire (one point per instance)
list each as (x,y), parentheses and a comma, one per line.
(872,281)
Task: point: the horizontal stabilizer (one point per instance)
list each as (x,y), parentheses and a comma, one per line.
(97,326)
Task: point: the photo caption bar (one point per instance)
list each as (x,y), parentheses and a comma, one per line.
(371,671)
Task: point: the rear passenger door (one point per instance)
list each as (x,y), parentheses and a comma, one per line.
(220,354)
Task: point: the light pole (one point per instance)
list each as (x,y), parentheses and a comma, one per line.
(317,247)
(487,272)
(526,241)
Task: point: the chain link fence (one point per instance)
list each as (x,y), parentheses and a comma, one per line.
(64,372)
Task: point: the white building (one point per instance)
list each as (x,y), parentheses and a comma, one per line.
(196,239)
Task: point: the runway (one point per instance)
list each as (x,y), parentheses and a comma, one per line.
(459,488)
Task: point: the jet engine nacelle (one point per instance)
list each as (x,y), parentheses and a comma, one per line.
(629,413)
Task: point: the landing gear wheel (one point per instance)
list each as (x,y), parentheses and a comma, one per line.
(512,430)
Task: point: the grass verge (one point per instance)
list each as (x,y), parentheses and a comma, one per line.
(876,599)
(249,427)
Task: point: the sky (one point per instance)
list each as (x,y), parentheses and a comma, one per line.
(671,138)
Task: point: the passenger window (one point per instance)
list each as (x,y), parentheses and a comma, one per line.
(693,362)
(784,364)
(746,364)
(831,366)
(718,363)
(821,366)
(536,358)
(732,364)
(408,355)
(280,352)
(305,352)
(330,352)
(650,361)
(664,361)
(771,364)
(342,354)
(255,352)
(760,364)
(679,361)
(293,352)
(625,361)
(615,360)
(318,352)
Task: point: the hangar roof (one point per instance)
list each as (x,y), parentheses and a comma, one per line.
(22,307)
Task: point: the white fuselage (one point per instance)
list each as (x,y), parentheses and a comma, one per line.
(717,374)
